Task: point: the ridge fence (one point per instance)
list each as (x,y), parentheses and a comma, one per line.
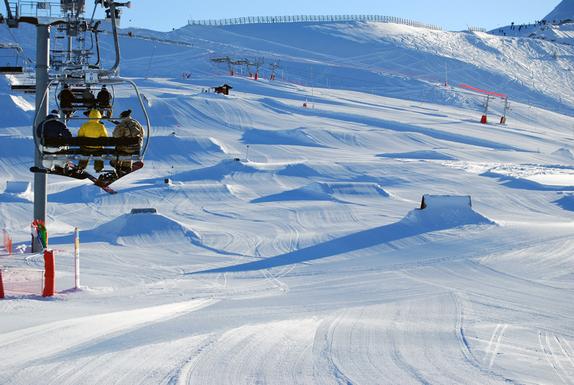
(311,18)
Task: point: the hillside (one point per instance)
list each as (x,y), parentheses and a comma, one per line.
(290,245)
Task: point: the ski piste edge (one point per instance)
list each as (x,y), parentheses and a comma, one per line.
(76,175)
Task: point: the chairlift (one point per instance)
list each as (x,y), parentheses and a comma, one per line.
(11,59)
(69,156)
(73,149)
(24,82)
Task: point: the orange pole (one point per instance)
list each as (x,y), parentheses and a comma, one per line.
(49,273)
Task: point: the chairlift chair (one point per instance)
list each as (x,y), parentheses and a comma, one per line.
(11,60)
(72,147)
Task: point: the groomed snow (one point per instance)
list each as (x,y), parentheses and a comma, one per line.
(290,247)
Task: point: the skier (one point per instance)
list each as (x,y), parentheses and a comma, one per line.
(67,99)
(53,127)
(104,102)
(128,127)
(92,129)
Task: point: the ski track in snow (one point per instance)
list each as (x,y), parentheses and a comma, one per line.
(52,345)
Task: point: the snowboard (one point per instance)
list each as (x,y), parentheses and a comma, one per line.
(109,177)
(74,172)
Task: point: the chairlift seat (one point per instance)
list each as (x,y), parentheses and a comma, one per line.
(72,148)
(83,141)
(26,88)
(11,70)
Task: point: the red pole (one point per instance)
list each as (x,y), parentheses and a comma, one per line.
(49,273)
(1,286)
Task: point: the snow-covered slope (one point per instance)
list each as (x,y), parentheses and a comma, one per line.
(290,245)
(557,26)
(563,12)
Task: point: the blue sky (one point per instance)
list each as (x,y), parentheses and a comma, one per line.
(451,15)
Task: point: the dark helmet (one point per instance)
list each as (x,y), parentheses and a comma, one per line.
(125,113)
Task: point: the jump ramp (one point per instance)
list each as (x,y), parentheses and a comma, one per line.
(16,191)
(445,201)
(18,187)
(446,211)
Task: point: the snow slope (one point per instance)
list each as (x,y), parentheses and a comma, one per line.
(563,11)
(290,246)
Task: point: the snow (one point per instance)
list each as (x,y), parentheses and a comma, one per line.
(290,245)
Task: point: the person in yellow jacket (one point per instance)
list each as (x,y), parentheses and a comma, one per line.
(93,128)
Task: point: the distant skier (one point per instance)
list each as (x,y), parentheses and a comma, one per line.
(128,127)
(67,99)
(92,129)
(104,102)
(53,127)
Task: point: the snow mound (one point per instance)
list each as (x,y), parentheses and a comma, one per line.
(566,202)
(144,228)
(327,191)
(17,191)
(293,137)
(423,154)
(438,211)
(217,172)
(299,170)
(174,148)
(564,153)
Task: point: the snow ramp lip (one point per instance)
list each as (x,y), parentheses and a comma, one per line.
(441,212)
(326,191)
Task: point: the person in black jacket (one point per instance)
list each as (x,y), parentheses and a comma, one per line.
(67,99)
(104,102)
(53,127)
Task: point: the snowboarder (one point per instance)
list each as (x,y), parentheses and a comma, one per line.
(128,127)
(92,129)
(67,99)
(53,127)
(104,102)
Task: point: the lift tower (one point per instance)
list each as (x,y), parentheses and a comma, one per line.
(43,15)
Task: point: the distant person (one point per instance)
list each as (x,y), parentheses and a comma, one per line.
(92,129)
(53,127)
(67,99)
(88,98)
(104,102)
(128,127)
